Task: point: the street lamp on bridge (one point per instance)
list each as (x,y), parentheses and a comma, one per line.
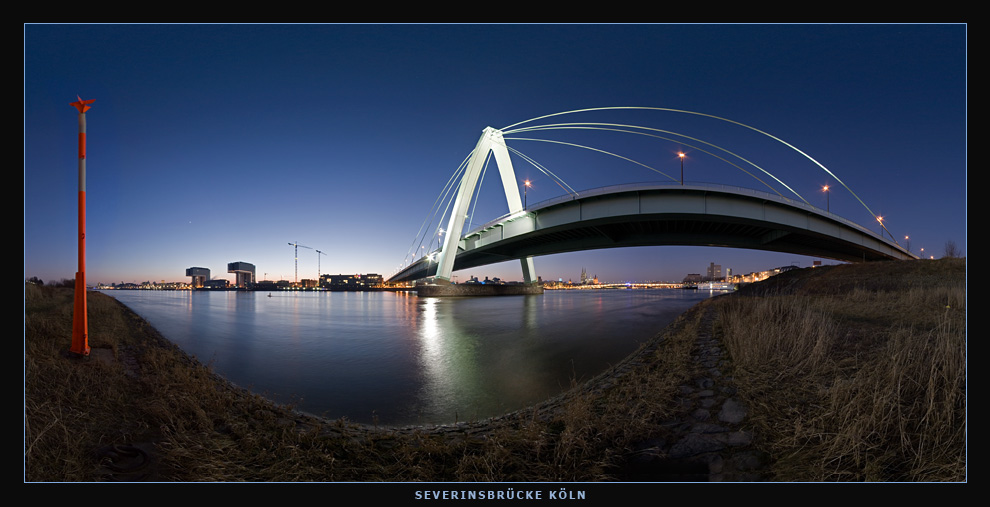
(429,262)
(526,185)
(825,189)
(681,155)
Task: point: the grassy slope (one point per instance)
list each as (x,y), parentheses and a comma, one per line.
(853,372)
(856,372)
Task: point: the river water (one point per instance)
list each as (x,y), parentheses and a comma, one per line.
(393,358)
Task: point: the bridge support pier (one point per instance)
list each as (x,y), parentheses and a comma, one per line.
(529,271)
(491,141)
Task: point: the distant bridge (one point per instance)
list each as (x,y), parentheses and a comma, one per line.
(636,215)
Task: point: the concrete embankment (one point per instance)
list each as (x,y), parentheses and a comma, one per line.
(477,289)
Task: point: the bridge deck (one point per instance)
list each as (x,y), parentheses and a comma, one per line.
(648,215)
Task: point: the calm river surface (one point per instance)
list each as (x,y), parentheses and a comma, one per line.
(395,358)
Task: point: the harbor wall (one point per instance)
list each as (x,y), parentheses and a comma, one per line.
(477,289)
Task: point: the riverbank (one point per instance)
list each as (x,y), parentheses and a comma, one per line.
(693,404)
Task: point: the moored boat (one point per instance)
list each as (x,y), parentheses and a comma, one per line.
(717,286)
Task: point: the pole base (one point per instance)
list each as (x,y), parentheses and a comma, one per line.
(80,323)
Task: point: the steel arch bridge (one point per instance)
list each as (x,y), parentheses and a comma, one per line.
(638,215)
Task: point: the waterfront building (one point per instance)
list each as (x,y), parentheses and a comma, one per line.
(244,272)
(693,278)
(714,272)
(218,284)
(351,282)
(266,285)
(199,276)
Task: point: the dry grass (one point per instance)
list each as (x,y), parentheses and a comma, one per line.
(862,374)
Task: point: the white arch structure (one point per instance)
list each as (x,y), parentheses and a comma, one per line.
(491,141)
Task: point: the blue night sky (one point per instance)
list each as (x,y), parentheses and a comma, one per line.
(209,144)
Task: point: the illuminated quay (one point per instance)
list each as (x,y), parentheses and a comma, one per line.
(616,285)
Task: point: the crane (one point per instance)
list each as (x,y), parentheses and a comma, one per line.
(297,245)
(318,254)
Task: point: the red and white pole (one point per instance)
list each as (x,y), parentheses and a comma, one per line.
(80,323)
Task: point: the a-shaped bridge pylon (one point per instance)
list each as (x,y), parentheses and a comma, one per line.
(491,141)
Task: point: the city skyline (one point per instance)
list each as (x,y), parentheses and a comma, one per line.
(212,144)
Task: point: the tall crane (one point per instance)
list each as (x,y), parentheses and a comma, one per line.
(318,254)
(297,245)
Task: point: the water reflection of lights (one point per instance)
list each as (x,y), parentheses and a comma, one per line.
(448,366)
(437,380)
(430,328)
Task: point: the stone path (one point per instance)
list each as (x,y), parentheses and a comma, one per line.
(709,442)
